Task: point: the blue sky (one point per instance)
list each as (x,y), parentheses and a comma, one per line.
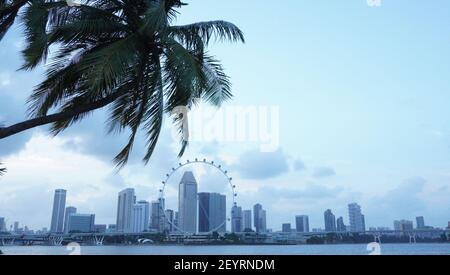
(363,94)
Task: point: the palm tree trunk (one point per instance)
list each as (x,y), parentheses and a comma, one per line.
(39,121)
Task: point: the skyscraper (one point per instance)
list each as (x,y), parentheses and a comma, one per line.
(330,221)
(356,218)
(141,215)
(256,216)
(247,220)
(302,223)
(170,219)
(211,212)
(286,228)
(340,226)
(69,211)
(236,219)
(187,203)
(420,222)
(125,205)
(157,219)
(403,225)
(59,205)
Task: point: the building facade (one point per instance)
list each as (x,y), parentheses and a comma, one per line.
(59,205)
(69,211)
(187,203)
(356,218)
(302,223)
(126,201)
(247,220)
(420,222)
(211,212)
(340,226)
(236,219)
(286,228)
(330,221)
(82,223)
(141,216)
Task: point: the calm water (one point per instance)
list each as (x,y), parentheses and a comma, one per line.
(351,249)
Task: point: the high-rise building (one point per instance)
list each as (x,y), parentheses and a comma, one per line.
(212,212)
(236,219)
(259,218)
(69,211)
(141,215)
(247,220)
(286,228)
(420,221)
(403,225)
(16,228)
(187,203)
(125,205)
(157,219)
(302,223)
(59,205)
(356,218)
(340,226)
(170,219)
(2,224)
(176,219)
(81,223)
(330,221)
(448,225)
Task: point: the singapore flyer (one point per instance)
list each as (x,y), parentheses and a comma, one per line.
(203,194)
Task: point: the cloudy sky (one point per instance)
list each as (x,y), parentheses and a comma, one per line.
(358,99)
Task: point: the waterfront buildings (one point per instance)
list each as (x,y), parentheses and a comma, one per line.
(286,228)
(356,218)
(157,219)
(125,205)
(211,212)
(330,221)
(302,223)
(403,225)
(247,220)
(69,211)
(187,203)
(59,205)
(259,218)
(340,226)
(141,215)
(420,222)
(2,224)
(236,219)
(81,223)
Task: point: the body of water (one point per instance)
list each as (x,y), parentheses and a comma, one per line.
(345,249)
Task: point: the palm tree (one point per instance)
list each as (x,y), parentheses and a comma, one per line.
(124,54)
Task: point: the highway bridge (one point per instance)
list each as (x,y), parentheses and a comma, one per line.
(98,238)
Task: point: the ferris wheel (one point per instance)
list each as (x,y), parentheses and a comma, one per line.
(183,165)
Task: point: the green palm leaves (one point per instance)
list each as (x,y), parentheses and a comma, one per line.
(125,54)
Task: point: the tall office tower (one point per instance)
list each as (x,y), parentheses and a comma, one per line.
(247,220)
(2,224)
(356,218)
(187,203)
(16,227)
(141,215)
(257,208)
(340,226)
(81,223)
(262,221)
(69,211)
(212,212)
(125,205)
(59,205)
(330,221)
(286,228)
(420,222)
(157,220)
(236,219)
(169,219)
(302,223)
